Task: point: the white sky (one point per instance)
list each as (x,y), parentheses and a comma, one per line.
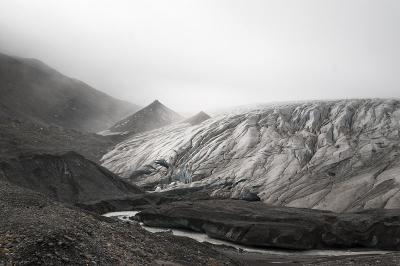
(209,54)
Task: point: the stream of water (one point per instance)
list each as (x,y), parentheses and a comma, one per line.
(201,237)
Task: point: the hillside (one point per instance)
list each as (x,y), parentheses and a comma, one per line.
(66,178)
(153,116)
(23,137)
(334,155)
(31,90)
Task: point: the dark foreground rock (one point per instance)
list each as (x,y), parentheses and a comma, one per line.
(67,177)
(257,224)
(34,230)
(296,258)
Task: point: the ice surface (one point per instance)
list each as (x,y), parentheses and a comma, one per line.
(334,155)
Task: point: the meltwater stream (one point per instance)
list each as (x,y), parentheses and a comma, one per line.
(200,237)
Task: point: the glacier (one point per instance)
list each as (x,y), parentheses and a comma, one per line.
(332,155)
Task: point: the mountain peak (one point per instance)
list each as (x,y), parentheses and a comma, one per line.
(156,103)
(202,113)
(152,116)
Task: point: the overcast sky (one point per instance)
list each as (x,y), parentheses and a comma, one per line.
(207,54)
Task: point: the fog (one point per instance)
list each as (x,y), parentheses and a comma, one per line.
(211,54)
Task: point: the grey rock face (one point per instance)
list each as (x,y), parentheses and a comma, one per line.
(337,155)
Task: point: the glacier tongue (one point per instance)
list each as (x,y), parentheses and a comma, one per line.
(333,155)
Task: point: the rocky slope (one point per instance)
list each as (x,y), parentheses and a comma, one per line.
(257,224)
(31,90)
(153,116)
(25,137)
(37,231)
(66,178)
(333,155)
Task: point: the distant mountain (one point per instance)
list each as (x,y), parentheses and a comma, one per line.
(31,90)
(67,178)
(197,119)
(153,116)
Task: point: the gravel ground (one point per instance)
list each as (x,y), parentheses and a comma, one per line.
(37,231)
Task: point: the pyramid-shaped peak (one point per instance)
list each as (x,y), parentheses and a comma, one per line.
(156,103)
(154,115)
(203,113)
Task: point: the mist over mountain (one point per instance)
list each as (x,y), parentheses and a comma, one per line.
(259,132)
(331,155)
(35,92)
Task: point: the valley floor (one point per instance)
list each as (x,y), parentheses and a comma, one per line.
(35,230)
